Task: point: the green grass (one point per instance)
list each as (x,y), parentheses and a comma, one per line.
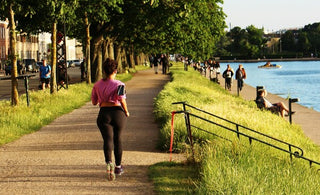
(235,167)
(181,182)
(44,108)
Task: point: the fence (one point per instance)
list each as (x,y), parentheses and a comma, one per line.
(239,130)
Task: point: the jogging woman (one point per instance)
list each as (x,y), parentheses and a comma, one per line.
(110,95)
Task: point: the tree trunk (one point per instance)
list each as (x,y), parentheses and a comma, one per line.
(14,72)
(105,49)
(111,49)
(99,65)
(88,63)
(118,58)
(53,82)
(96,48)
(131,56)
(124,60)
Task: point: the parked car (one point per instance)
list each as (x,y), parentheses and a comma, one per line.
(75,63)
(20,68)
(31,65)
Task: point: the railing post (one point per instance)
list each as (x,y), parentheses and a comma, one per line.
(290,152)
(291,100)
(188,126)
(237,127)
(26,85)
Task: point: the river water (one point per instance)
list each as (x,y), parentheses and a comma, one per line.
(296,79)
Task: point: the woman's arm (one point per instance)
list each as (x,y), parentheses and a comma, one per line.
(123,103)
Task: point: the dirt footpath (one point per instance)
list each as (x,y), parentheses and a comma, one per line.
(66,157)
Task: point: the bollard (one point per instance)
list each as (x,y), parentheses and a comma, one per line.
(291,100)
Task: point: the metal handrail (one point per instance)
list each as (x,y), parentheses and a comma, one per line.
(298,153)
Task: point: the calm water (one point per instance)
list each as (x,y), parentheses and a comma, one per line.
(298,79)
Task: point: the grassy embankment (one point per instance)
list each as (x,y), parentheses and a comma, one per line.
(235,167)
(44,108)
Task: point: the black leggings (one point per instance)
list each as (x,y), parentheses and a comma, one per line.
(111,121)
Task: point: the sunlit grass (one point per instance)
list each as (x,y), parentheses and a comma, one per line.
(44,108)
(235,167)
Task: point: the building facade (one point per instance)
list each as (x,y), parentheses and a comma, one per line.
(4,43)
(35,47)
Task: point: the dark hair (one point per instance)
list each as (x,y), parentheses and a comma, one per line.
(109,66)
(260,92)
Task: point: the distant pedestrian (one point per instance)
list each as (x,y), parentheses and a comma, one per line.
(165,63)
(155,64)
(83,68)
(240,76)
(110,94)
(45,74)
(228,74)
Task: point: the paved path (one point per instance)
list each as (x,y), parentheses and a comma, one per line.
(66,156)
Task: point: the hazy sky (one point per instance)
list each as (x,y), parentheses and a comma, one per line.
(273,15)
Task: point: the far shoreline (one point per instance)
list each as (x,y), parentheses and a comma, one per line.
(268,60)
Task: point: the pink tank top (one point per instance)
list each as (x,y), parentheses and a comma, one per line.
(106,90)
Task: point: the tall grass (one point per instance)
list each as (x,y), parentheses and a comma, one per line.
(235,167)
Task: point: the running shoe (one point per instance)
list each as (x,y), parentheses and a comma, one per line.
(119,170)
(110,172)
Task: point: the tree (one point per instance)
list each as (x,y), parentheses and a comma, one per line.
(247,42)
(45,16)
(303,43)
(288,41)
(188,27)
(7,8)
(92,27)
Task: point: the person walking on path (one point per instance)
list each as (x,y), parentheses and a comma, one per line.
(45,73)
(165,63)
(240,76)
(110,95)
(228,74)
(154,62)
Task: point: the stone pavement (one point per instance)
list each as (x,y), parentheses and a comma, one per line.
(66,156)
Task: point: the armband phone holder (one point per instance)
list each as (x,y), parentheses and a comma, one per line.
(121,90)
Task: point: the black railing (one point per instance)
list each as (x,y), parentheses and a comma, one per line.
(289,148)
(26,83)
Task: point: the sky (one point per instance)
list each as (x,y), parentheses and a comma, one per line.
(272,15)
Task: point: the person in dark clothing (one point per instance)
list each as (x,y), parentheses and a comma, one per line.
(228,74)
(110,94)
(165,63)
(240,76)
(83,70)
